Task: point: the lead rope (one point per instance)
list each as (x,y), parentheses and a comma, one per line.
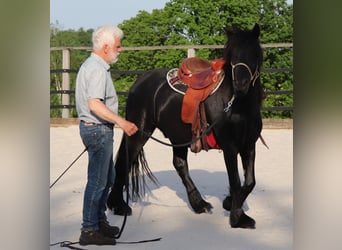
(68,168)
(226,109)
(127,198)
(69,244)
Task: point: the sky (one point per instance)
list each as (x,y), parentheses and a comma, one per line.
(89,14)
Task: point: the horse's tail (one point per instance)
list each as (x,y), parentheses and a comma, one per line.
(139,184)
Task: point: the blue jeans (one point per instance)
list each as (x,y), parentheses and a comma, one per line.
(98,139)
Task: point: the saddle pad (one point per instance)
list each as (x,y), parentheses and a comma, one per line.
(180,87)
(174,82)
(212,141)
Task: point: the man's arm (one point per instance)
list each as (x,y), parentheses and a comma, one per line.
(97,107)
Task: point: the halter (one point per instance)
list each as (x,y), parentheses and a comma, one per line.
(253,76)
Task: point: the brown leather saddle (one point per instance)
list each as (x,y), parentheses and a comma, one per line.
(198,73)
(201,77)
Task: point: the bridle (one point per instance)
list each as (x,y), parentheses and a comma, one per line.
(253,76)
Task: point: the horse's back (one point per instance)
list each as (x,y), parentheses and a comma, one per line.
(149,81)
(152,101)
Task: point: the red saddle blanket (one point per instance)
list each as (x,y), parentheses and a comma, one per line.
(211,140)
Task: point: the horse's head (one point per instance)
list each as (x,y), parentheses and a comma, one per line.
(243,55)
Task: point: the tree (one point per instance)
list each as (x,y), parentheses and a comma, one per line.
(68,38)
(197,22)
(203,22)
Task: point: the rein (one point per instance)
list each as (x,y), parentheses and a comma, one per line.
(226,109)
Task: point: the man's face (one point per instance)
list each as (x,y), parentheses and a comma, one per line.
(114,51)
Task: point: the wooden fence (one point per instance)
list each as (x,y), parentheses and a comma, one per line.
(191,52)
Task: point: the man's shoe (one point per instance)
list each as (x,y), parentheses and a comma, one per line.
(95,238)
(107,230)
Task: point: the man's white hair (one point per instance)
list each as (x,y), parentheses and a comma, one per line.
(106,35)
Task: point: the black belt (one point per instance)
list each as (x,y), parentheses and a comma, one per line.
(109,125)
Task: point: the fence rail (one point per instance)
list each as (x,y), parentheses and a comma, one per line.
(275,108)
(191,50)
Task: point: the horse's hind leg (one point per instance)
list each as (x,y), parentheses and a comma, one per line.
(115,199)
(134,145)
(181,165)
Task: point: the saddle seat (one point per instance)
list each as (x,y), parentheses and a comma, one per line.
(202,77)
(198,73)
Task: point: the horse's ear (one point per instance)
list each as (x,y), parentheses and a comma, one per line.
(256,30)
(229,31)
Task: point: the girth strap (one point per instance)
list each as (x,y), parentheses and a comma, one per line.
(198,129)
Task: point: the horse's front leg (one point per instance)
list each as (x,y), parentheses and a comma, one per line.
(181,165)
(238,194)
(248,161)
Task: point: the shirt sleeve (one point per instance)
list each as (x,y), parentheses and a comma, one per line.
(96,81)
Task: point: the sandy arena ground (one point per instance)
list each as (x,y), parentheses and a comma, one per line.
(165,211)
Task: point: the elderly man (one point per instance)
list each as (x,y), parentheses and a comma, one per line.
(97,108)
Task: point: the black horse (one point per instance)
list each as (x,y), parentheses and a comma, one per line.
(153,104)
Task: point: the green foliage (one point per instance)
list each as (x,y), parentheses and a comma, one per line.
(196,22)
(69,38)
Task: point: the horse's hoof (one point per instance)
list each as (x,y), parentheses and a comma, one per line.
(208,209)
(227,203)
(205,207)
(122,210)
(241,220)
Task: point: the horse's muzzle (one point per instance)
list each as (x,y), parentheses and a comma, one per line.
(241,86)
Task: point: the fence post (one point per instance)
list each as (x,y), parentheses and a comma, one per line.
(191,52)
(66,82)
